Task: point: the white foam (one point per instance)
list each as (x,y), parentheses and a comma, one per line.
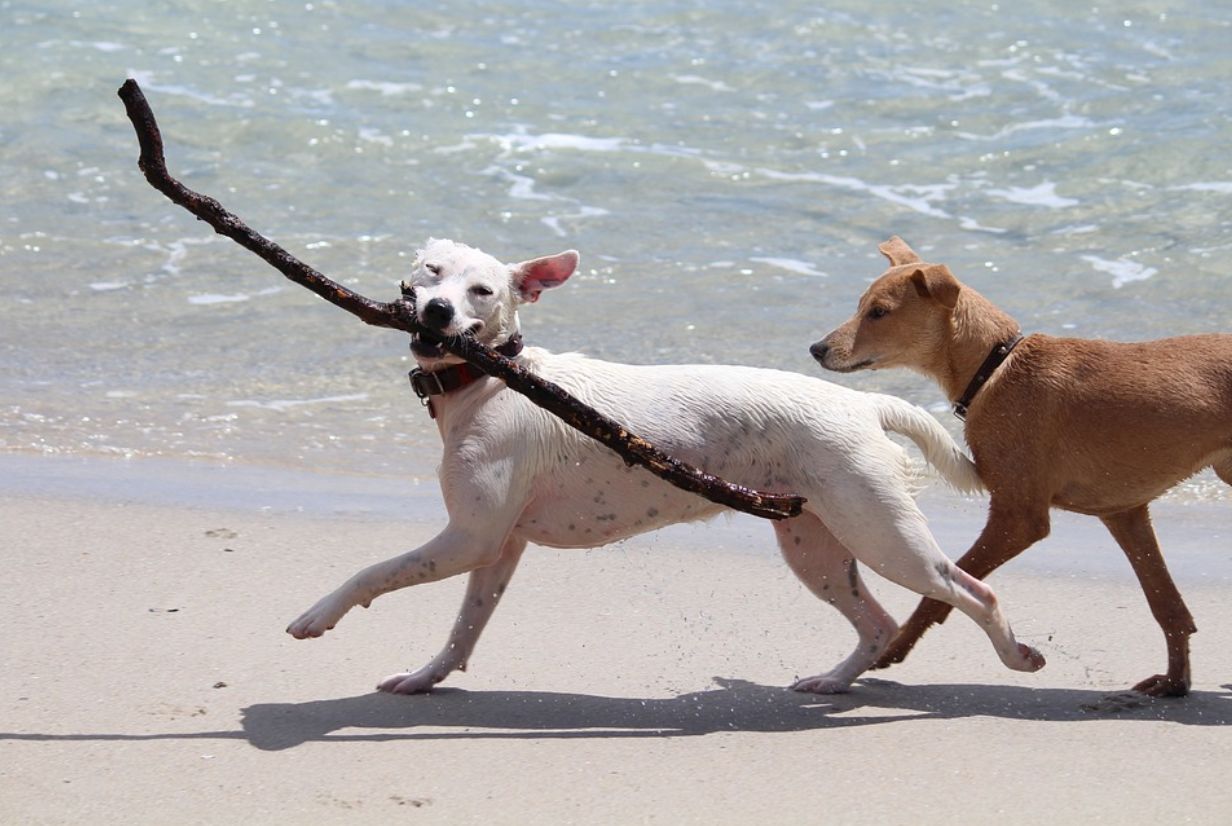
(375,136)
(1123,272)
(217,298)
(1044,195)
(100,45)
(146,79)
(697,80)
(522,187)
(926,193)
(233,298)
(552,222)
(1222,187)
(286,404)
(791,265)
(967,222)
(108,286)
(386,88)
(961,86)
(522,142)
(177,251)
(1063,122)
(1079,229)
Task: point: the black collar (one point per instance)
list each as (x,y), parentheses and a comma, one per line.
(999,354)
(448,379)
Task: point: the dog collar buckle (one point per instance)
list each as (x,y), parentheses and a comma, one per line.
(425,384)
(422,383)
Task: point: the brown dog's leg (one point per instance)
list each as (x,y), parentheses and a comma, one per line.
(1010,531)
(1133,532)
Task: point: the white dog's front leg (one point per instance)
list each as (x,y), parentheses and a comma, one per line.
(451,552)
(483,591)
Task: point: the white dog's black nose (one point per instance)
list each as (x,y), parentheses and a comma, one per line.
(437,313)
(819,349)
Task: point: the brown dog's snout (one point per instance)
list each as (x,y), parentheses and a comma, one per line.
(820,349)
(437,313)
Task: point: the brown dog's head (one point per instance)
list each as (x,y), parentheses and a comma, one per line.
(902,319)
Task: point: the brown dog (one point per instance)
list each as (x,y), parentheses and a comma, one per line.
(1096,427)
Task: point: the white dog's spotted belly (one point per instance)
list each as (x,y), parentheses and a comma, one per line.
(592,505)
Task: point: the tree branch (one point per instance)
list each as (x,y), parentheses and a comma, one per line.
(400,315)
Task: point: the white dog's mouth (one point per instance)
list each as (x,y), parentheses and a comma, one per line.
(428,345)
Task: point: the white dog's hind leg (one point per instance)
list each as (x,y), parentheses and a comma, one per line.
(484,589)
(887,532)
(453,551)
(828,570)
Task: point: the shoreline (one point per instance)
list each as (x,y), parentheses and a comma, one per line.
(1190,532)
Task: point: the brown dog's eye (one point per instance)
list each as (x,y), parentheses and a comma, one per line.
(878,312)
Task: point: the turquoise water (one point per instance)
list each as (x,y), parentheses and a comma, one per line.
(726,170)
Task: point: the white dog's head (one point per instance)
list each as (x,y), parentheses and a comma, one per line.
(459,289)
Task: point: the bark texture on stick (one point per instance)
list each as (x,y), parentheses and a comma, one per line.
(400,315)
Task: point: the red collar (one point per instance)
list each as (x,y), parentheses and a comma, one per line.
(448,379)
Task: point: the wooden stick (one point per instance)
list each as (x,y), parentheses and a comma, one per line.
(400,315)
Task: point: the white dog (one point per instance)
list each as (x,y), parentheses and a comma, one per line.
(513,473)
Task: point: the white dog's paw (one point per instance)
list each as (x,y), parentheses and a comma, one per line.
(1028,659)
(318,619)
(412,682)
(822,684)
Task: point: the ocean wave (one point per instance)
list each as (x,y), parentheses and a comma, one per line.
(916,197)
(1063,122)
(206,299)
(790,264)
(282,405)
(1221,187)
(1045,195)
(1123,272)
(385,87)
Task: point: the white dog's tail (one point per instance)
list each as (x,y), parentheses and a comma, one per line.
(939,449)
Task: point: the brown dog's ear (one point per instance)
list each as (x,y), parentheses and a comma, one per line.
(935,281)
(898,252)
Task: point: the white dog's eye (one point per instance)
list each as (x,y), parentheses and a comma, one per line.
(435,269)
(480,289)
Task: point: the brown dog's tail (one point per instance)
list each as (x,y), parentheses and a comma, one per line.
(938,447)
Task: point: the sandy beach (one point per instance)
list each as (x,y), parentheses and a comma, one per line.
(147,679)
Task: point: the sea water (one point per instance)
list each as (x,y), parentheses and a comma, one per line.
(726,170)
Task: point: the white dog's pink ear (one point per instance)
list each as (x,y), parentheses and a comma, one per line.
(898,252)
(533,277)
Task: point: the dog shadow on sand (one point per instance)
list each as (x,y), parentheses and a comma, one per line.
(731,706)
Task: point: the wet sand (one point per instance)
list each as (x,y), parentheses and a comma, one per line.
(147,679)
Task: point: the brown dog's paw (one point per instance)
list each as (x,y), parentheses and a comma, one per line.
(1163,685)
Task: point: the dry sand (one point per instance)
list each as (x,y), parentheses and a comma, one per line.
(146,679)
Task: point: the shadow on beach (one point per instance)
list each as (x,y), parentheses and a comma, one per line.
(734,706)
